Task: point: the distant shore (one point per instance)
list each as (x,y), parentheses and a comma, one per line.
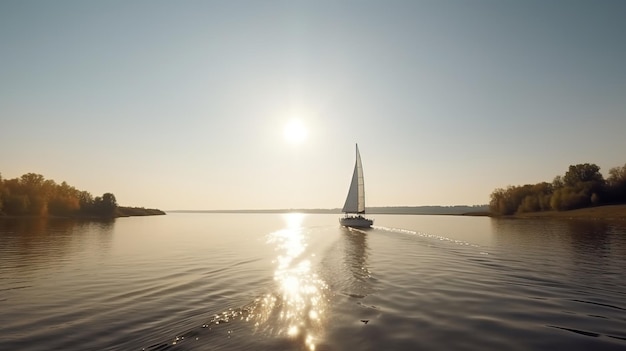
(607,212)
(138,211)
(121,211)
(395,210)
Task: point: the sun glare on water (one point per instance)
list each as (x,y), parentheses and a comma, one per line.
(295,132)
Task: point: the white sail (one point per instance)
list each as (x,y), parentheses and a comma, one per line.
(355,201)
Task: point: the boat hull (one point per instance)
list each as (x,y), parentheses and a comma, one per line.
(356,222)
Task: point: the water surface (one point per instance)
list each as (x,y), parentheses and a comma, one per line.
(301,282)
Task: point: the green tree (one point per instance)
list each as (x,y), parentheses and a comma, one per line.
(17,204)
(1,193)
(64,200)
(581,173)
(557,182)
(616,184)
(105,205)
(32,194)
(497,201)
(529,204)
(85,202)
(32,181)
(525,198)
(582,185)
(109,204)
(555,200)
(37,190)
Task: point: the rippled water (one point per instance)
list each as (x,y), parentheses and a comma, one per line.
(301,282)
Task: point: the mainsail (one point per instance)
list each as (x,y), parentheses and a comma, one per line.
(355,202)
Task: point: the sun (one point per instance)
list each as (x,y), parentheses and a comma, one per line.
(295,132)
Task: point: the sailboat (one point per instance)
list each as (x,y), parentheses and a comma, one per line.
(354,207)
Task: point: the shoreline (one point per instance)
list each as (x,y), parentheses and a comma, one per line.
(122,212)
(605,212)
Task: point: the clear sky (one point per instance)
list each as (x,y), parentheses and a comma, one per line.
(184,104)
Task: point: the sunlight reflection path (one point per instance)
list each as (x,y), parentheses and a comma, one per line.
(296,306)
(300,296)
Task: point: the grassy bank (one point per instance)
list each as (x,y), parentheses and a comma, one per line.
(119,212)
(138,211)
(599,212)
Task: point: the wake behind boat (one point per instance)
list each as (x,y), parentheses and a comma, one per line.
(354,207)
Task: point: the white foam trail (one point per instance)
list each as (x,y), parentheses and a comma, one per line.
(426,235)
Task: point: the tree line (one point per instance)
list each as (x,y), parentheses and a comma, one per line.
(32,194)
(581,186)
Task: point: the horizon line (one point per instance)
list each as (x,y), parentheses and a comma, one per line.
(337,209)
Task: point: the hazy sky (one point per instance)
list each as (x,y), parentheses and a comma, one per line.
(183,104)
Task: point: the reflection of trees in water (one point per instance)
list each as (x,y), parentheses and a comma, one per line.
(31,242)
(618,230)
(35,238)
(599,242)
(533,239)
(525,230)
(590,250)
(598,253)
(585,237)
(101,231)
(589,236)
